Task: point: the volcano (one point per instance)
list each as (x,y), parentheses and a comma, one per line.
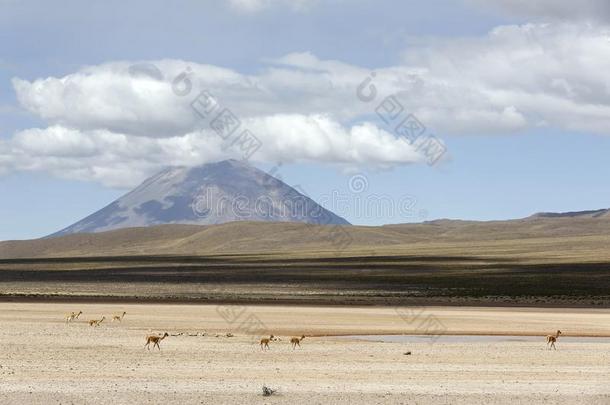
(209,194)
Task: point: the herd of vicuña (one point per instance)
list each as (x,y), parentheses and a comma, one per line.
(264,342)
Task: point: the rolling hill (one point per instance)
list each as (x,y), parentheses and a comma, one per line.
(540,260)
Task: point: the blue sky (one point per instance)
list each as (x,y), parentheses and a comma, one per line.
(516,92)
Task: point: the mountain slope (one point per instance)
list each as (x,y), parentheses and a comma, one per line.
(214,193)
(584,236)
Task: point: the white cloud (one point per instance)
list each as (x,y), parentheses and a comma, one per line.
(319,138)
(511,79)
(121,115)
(109,97)
(306,109)
(553,73)
(120,160)
(114,159)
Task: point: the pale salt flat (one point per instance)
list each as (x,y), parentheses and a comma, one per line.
(46,361)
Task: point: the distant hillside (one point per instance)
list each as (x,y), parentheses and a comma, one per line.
(536,261)
(262,237)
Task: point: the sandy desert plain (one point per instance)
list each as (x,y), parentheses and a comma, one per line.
(46,360)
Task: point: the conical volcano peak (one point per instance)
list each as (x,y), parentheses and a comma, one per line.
(212,193)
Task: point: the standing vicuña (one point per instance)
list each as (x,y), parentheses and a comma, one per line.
(72,316)
(96,322)
(295,341)
(154,339)
(551,339)
(119,317)
(265,342)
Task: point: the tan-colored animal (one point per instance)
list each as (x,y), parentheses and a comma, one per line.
(72,316)
(154,339)
(119,317)
(551,339)
(96,322)
(265,342)
(295,341)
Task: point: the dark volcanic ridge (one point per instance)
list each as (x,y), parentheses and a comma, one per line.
(574,214)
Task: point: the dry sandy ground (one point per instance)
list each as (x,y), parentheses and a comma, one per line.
(44,360)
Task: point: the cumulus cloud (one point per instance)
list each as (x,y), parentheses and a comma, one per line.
(306,109)
(140,115)
(516,77)
(114,159)
(121,160)
(115,96)
(528,75)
